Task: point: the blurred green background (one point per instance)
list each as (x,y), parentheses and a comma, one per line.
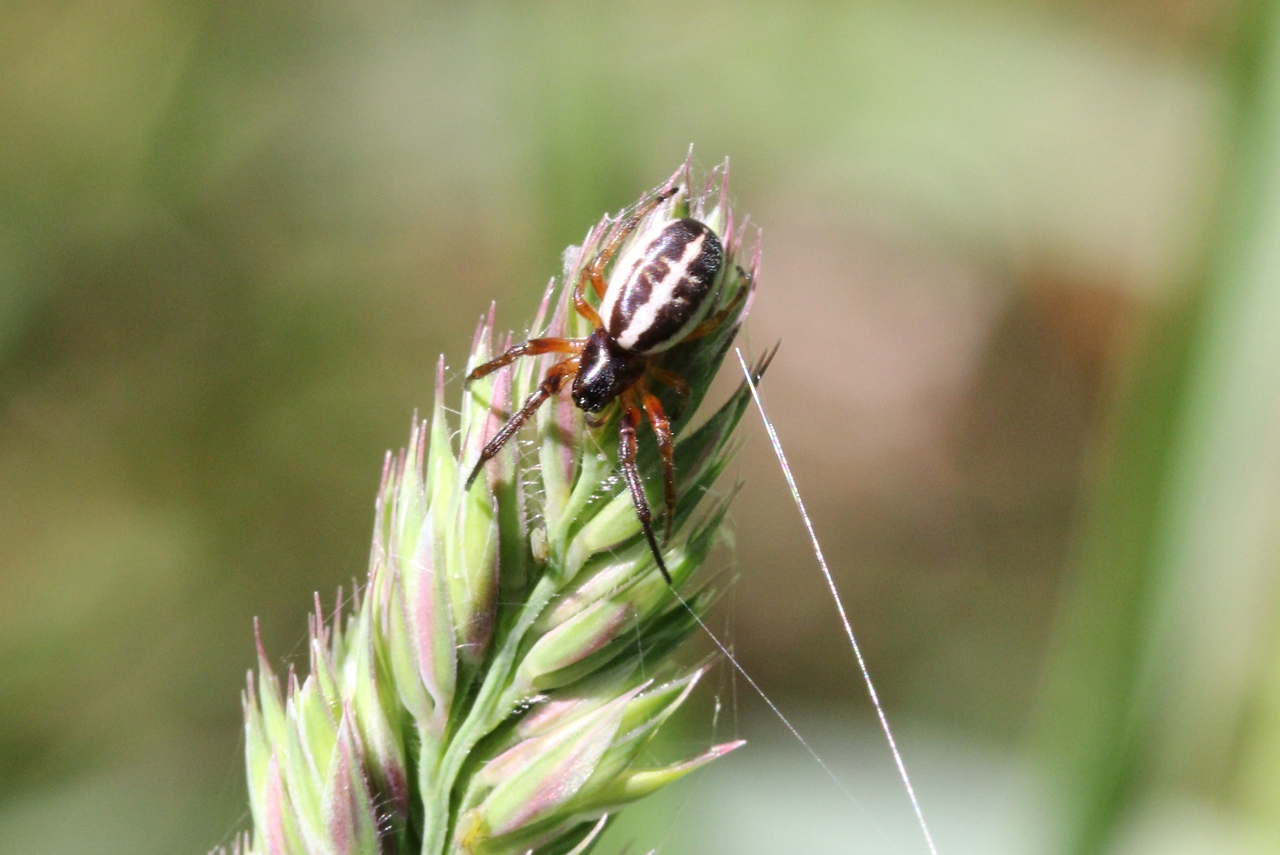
(1024,257)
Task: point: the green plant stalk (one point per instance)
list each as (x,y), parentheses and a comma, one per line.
(496,683)
(485,713)
(1139,702)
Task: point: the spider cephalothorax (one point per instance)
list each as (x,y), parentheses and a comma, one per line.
(658,295)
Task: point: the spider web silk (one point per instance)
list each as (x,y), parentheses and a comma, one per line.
(844,620)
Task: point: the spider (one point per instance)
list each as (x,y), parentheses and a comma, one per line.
(657,296)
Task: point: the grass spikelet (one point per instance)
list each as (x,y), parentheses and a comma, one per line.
(510,655)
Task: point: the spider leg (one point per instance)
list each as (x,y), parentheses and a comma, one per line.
(584,308)
(532,347)
(550,384)
(710,324)
(631,474)
(594,272)
(666,448)
(676,382)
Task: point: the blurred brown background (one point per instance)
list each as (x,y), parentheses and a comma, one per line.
(234,236)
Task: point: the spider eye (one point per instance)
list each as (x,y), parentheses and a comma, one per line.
(606,371)
(593,392)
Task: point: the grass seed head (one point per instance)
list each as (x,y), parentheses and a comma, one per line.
(510,655)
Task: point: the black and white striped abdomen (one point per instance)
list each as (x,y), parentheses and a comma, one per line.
(658,291)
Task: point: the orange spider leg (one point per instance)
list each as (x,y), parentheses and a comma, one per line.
(675,381)
(532,347)
(551,383)
(670,378)
(584,308)
(594,272)
(710,324)
(627,449)
(666,448)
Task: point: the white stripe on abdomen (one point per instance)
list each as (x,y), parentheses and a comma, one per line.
(662,294)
